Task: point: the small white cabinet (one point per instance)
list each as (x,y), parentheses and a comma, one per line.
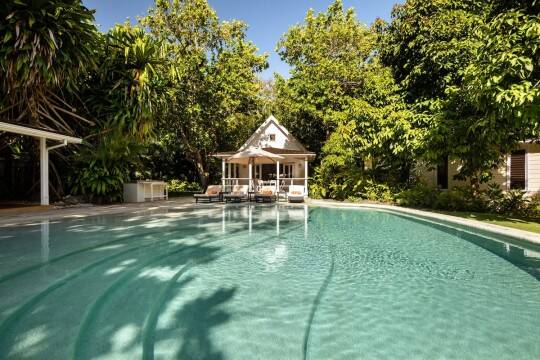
(146,190)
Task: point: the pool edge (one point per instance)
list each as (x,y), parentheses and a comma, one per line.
(517,234)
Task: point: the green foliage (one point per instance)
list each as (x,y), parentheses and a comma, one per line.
(429,43)
(214,93)
(124,94)
(100,171)
(180,186)
(327,54)
(534,205)
(459,199)
(493,199)
(511,202)
(342,102)
(44,47)
(420,195)
(471,68)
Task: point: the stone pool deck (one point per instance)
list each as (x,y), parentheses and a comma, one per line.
(19,217)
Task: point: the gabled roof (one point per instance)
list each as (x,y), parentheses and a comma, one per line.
(272,120)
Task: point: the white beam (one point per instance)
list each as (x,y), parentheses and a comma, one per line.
(44,171)
(24,130)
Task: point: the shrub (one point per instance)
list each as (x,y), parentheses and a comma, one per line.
(179,186)
(376,192)
(495,197)
(515,202)
(100,184)
(420,195)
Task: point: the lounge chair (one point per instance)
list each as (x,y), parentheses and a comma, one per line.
(213,192)
(239,194)
(296,193)
(266,194)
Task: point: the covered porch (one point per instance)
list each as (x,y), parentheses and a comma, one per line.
(59,140)
(289,167)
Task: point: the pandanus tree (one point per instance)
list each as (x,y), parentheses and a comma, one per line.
(125,95)
(44,46)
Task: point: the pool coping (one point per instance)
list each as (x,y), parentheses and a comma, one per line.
(517,234)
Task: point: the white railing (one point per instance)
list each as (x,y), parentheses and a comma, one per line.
(282,185)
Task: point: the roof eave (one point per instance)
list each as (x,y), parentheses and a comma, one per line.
(24,130)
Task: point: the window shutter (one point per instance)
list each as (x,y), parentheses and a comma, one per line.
(442,174)
(517,170)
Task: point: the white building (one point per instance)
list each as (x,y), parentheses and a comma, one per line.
(519,170)
(271,136)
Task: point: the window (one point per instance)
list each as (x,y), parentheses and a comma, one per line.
(517,170)
(442,174)
(272,137)
(286,170)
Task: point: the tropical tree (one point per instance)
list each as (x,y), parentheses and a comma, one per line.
(215,91)
(342,102)
(471,68)
(429,43)
(496,105)
(45,46)
(124,95)
(327,54)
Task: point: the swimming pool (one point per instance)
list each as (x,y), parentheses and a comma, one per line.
(265,282)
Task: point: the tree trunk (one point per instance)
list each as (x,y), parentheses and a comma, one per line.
(201,170)
(475,185)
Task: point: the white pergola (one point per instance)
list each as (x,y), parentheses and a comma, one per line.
(43,136)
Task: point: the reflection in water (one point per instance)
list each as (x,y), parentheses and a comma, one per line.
(275,257)
(277,221)
(254,214)
(45,240)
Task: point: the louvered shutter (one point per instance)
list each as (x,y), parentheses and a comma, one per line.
(517,170)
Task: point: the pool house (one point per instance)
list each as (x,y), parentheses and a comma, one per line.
(271,156)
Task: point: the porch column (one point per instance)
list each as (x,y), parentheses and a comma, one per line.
(306,176)
(250,175)
(277,176)
(223,174)
(44,171)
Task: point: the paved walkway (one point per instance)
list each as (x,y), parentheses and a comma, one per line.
(22,215)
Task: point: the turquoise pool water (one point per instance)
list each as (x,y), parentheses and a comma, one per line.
(265,282)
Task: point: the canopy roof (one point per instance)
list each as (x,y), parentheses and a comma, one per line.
(38,133)
(253,155)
